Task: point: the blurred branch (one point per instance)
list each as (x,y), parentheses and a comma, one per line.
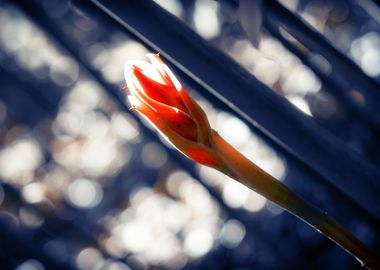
(345,76)
(19,244)
(333,84)
(229,82)
(250,17)
(371,7)
(33,91)
(78,228)
(376,2)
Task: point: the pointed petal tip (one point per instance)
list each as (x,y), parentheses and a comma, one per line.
(156,62)
(148,55)
(155,55)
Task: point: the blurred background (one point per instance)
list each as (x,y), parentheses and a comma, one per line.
(85,184)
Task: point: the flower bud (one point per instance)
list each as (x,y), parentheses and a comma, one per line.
(157,94)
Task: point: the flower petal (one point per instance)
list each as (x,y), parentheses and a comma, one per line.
(159,92)
(193,150)
(165,71)
(159,65)
(177,120)
(198,115)
(148,69)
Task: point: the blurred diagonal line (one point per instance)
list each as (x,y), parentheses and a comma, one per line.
(80,228)
(13,239)
(335,85)
(344,72)
(376,2)
(229,82)
(19,244)
(52,222)
(318,42)
(31,91)
(370,7)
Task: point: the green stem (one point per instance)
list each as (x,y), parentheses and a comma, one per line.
(235,165)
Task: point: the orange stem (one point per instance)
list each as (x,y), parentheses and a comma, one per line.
(238,167)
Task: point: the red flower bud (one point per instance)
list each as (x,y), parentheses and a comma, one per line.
(156,93)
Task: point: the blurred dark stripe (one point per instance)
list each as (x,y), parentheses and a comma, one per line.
(345,76)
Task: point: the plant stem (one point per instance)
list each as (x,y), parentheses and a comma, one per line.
(238,167)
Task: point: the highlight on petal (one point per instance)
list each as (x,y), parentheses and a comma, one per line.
(159,92)
(134,101)
(164,70)
(146,68)
(157,63)
(173,78)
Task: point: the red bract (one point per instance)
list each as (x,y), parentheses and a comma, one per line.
(157,94)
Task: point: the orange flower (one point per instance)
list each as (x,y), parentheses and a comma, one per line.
(157,94)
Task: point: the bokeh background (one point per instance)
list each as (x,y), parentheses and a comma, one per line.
(85,184)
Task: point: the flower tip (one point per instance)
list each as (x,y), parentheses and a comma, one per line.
(155,59)
(149,55)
